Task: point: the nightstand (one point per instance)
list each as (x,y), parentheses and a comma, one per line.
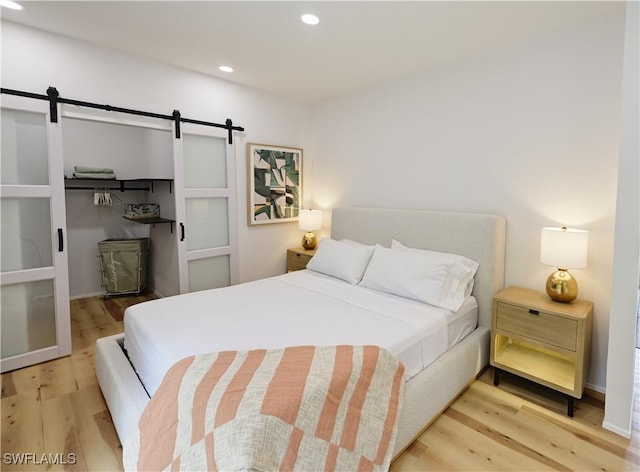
(298,257)
(541,340)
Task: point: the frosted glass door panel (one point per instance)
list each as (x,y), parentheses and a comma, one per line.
(205,162)
(212,272)
(35,325)
(26,234)
(205,208)
(207,223)
(24,148)
(28,317)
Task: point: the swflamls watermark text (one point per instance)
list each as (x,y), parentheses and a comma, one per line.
(31,458)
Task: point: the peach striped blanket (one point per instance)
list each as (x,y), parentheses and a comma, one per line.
(299,408)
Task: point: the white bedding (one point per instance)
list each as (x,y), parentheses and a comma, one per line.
(310,309)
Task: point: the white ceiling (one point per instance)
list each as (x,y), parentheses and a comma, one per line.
(357,44)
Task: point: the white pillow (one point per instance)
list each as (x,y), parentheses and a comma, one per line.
(341,259)
(419,276)
(466,283)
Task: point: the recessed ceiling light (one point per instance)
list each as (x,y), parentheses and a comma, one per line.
(310,19)
(10,4)
(226,68)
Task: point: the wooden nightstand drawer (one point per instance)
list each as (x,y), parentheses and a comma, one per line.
(297,259)
(537,325)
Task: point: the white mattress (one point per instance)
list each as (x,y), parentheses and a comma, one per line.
(299,308)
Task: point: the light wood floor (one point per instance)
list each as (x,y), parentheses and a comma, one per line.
(56,407)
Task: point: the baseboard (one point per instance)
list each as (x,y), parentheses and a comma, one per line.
(619,431)
(595,393)
(86,295)
(101,294)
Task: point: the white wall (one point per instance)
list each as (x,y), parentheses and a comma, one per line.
(620,372)
(530,132)
(33,60)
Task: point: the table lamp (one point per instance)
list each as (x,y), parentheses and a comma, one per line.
(309,220)
(563,248)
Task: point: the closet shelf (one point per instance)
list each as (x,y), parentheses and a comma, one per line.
(151,221)
(114,184)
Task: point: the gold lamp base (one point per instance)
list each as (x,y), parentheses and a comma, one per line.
(562,287)
(309,240)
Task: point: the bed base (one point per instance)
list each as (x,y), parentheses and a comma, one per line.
(426,395)
(431,391)
(120,385)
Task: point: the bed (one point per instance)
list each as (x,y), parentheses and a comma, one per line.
(451,361)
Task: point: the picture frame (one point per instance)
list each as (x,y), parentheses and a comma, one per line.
(275,183)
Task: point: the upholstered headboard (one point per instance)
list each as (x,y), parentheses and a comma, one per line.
(476,236)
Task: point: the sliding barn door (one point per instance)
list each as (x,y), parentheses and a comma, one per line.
(205,208)
(34,284)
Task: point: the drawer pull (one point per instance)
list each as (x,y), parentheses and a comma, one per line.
(534,312)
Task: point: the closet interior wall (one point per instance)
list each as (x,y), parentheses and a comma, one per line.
(133,152)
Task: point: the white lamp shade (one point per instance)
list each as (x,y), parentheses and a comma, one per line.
(564,247)
(310,220)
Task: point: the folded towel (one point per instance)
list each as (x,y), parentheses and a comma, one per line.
(92,170)
(94,175)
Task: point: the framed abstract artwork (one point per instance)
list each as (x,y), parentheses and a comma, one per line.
(275,183)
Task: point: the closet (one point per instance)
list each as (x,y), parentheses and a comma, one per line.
(51,223)
(133,151)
